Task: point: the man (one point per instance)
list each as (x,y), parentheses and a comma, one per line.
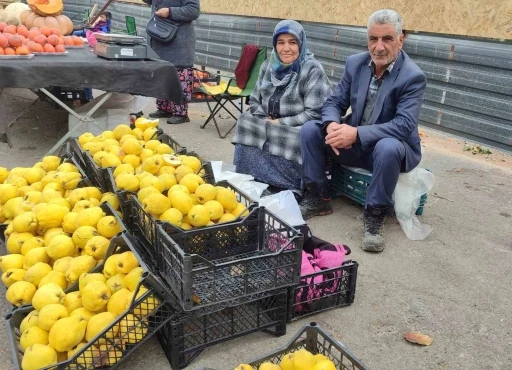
(384,88)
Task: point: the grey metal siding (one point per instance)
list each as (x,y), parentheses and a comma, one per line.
(469,90)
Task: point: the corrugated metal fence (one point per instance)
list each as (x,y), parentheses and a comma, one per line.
(469,91)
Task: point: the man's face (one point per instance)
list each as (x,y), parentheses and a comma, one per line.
(384,44)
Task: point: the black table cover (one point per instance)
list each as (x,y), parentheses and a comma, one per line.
(82,68)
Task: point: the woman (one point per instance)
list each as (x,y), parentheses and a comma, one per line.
(179,52)
(291,89)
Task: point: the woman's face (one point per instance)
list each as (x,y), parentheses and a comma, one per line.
(103,18)
(287,48)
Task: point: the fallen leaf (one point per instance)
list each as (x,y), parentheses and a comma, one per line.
(458,170)
(421,133)
(418,338)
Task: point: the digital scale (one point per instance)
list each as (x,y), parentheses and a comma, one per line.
(122,47)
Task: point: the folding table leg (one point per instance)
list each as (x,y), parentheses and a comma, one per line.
(81,119)
(4,126)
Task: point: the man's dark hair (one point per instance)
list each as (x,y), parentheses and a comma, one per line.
(108,15)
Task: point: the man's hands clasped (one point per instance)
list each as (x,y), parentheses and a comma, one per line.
(340,136)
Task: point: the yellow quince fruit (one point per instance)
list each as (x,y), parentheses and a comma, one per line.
(48,294)
(95,296)
(20,293)
(66,333)
(50,314)
(38,356)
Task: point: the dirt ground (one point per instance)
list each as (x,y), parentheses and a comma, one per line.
(454,286)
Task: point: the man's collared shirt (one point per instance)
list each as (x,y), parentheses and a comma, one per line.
(375,81)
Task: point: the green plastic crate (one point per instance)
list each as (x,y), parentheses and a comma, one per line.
(354,185)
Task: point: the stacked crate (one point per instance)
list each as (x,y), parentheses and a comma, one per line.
(226,280)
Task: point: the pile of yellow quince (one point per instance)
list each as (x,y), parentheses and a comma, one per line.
(62,324)
(123,145)
(191,203)
(55,231)
(169,186)
(298,360)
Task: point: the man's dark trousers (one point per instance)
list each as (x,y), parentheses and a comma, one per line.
(384,161)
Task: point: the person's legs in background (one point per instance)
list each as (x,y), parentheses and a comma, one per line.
(278,172)
(387,157)
(314,154)
(79,33)
(181,110)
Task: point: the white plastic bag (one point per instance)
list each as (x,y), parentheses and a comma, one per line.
(246,183)
(285,206)
(411,186)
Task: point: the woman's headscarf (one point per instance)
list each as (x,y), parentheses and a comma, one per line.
(281,73)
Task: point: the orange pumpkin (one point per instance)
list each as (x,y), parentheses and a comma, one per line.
(66,25)
(24,15)
(61,23)
(29,20)
(46,7)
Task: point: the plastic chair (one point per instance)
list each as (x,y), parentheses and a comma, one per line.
(225,96)
(87,14)
(131,27)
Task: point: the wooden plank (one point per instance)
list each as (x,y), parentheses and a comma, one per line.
(490,18)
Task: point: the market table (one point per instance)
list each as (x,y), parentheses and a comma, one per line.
(82,68)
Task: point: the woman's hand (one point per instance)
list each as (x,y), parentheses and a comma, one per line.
(274,121)
(163,12)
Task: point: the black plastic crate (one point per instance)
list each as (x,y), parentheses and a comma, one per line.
(178,148)
(354,185)
(150,312)
(336,288)
(97,174)
(315,340)
(186,336)
(211,265)
(2,236)
(68,94)
(71,150)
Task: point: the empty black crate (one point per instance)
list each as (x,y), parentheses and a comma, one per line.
(216,264)
(323,290)
(186,336)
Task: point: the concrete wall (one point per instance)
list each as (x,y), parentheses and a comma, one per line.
(469,91)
